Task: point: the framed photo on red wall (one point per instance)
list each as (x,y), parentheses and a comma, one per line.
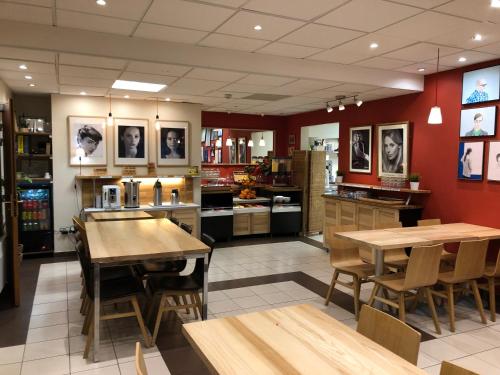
(494,161)
(393,149)
(360,155)
(470,161)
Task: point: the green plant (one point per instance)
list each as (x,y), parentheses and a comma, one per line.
(340,173)
(414,177)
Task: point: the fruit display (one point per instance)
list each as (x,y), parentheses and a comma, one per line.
(247,194)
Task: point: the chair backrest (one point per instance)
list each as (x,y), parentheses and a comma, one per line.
(82,250)
(423,266)
(389,332)
(174,220)
(187,228)
(471,259)
(427,222)
(448,368)
(140,365)
(341,250)
(200,262)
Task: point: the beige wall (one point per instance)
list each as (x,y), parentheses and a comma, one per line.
(65,202)
(5,93)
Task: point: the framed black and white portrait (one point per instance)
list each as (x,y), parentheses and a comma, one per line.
(478,122)
(482,85)
(393,151)
(87,140)
(470,161)
(360,156)
(173,143)
(494,161)
(131,141)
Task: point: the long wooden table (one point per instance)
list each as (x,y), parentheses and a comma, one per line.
(291,340)
(113,243)
(120,215)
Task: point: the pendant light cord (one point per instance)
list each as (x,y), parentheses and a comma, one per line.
(109,103)
(437,78)
(157,114)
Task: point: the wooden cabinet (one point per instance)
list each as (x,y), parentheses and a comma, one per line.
(188,216)
(251,223)
(347,213)
(260,222)
(242,224)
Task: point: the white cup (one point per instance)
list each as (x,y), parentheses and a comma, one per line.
(47,175)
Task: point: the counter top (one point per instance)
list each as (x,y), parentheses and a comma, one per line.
(393,206)
(383,188)
(254,200)
(145,207)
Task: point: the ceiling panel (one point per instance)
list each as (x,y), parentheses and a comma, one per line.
(435,25)
(427,4)
(300,9)
(91,82)
(19,76)
(354,88)
(45,88)
(42,3)
(383,63)
(94,23)
(463,37)
(25,13)
(128,9)
(187,14)
(491,48)
(242,24)
(264,80)
(288,50)
(149,78)
(215,75)
(421,52)
(479,10)
(120,94)
(76,90)
(27,54)
(367,15)
(320,36)
(232,42)
(194,86)
(78,71)
(385,44)
(222,93)
(155,68)
(169,33)
(428,68)
(341,55)
(325,94)
(301,87)
(206,100)
(472,57)
(33,67)
(91,61)
(228,3)
(240,87)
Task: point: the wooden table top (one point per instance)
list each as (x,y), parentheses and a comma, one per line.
(133,240)
(291,340)
(120,215)
(393,238)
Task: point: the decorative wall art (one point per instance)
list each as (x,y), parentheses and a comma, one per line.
(470,160)
(87,138)
(482,85)
(173,143)
(131,141)
(360,156)
(393,150)
(478,122)
(494,161)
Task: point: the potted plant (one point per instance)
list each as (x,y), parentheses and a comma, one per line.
(340,177)
(414,181)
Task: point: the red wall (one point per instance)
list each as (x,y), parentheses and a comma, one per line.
(434,149)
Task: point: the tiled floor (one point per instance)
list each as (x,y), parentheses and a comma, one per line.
(54,344)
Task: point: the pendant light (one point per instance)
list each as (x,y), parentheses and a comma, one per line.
(218,143)
(262,143)
(229,142)
(435,117)
(250,143)
(110,115)
(242,141)
(157,122)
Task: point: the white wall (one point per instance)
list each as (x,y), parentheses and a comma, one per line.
(262,150)
(5,93)
(323,131)
(65,202)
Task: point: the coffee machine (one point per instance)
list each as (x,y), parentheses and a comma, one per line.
(111,196)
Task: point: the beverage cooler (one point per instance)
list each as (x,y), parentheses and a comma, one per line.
(36,225)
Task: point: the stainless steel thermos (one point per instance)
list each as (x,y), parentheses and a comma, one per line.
(131,193)
(157,193)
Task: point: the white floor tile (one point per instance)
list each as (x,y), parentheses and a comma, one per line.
(125,351)
(425,360)
(487,335)
(11,354)
(109,370)
(440,350)
(45,349)
(107,358)
(53,366)
(264,289)
(47,333)
(216,296)
(275,298)
(433,370)
(155,366)
(238,293)
(467,343)
(222,306)
(47,320)
(48,308)
(249,302)
(11,369)
(490,356)
(478,364)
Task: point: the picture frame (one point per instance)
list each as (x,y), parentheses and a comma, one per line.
(233,151)
(360,154)
(131,141)
(89,134)
(494,161)
(172,144)
(393,149)
(470,161)
(242,150)
(291,139)
(481,85)
(478,122)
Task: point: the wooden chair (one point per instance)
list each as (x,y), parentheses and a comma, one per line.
(469,266)
(344,257)
(389,332)
(395,258)
(448,368)
(446,256)
(492,275)
(186,227)
(421,273)
(140,365)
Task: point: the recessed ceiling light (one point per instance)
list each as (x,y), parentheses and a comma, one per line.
(495,3)
(126,96)
(23,67)
(137,86)
(374,45)
(28,77)
(83,93)
(101,2)
(462,59)
(257,27)
(167,99)
(32,85)
(421,69)
(477,37)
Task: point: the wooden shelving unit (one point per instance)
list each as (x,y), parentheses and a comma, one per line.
(383,188)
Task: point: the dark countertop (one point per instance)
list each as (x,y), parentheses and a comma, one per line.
(391,206)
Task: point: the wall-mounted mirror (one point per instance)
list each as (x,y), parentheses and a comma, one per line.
(235,146)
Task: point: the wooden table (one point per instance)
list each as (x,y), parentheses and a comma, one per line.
(114,243)
(395,238)
(291,340)
(120,215)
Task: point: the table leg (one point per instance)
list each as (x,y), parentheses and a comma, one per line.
(379,271)
(97,310)
(204,310)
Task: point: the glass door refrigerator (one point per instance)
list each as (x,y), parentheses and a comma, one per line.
(36,225)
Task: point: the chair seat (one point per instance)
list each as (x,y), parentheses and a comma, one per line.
(357,267)
(182,283)
(160,267)
(393,281)
(490,269)
(115,273)
(449,278)
(119,288)
(397,262)
(448,257)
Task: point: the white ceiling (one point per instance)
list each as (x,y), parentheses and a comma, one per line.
(311,50)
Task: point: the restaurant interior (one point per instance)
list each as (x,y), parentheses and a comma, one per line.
(249,187)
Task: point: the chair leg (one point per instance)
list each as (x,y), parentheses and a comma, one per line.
(184,300)
(402,307)
(158,318)
(415,302)
(332,286)
(451,306)
(88,318)
(375,289)
(90,338)
(479,303)
(430,302)
(138,315)
(491,292)
(192,298)
(357,290)
(198,302)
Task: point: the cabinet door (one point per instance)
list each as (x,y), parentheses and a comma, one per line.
(331,217)
(366,217)
(386,216)
(241,224)
(347,213)
(260,222)
(188,216)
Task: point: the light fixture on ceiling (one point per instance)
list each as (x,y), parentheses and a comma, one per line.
(110,121)
(257,27)
(477,37)
(495,3)
(462,59)
(329,108)
(101,2)
(341,106)
(32,85)
(137,86)
(167,99)
(83,93)
(262,142)
(23,67)
(421,69)
(28,77)
(435,117)
(358,102)
(157,121)
(229,142)
(218,143)
(373,45)
(250,143)
(126,96)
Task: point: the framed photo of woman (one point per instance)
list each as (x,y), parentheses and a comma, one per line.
(360,155)
(172,143)
(494,162)
(393,151)
(87,140)
(470,161)
(131,141)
